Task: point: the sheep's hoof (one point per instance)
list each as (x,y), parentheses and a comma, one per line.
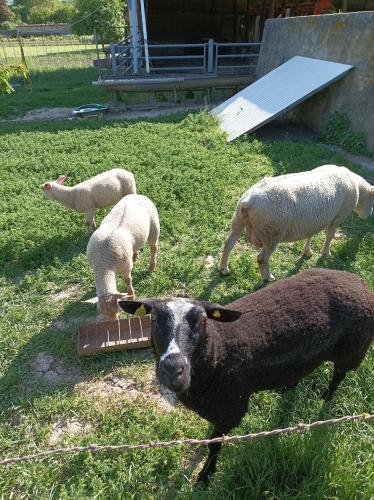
(327,395)
(225,271)
(202,479)
(307,255)
(269,279)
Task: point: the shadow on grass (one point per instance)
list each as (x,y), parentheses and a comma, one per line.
(14,263)
(22,382)
(267,466)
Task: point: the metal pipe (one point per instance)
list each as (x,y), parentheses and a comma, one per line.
(145,36)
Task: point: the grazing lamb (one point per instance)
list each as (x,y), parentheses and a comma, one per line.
(114,247)
(279,335)
(294,207)
(100,191)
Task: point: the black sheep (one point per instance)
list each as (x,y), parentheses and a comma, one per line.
(266,340)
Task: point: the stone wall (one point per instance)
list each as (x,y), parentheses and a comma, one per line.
(44,29)
(345,38)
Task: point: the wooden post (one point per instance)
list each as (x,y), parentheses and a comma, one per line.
(345,5)
(288,11)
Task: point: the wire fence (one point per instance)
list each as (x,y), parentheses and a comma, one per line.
(44,52)
(94,448)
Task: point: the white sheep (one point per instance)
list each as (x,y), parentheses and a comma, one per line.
(100,191)
(294,207)
(114,247)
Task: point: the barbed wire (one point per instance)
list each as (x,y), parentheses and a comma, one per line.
(94,448)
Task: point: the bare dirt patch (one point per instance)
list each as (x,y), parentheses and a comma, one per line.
(52,371)
(70,291)
(46,114)
(114,390)
(120,112)
(64,323)
(66,428)
(207,261)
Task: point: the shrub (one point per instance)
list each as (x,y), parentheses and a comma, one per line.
(340,132)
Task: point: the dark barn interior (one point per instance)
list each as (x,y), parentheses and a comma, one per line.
(195,21)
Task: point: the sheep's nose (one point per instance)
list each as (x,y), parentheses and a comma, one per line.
(172,367)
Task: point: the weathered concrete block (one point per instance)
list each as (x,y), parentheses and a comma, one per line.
(344,38)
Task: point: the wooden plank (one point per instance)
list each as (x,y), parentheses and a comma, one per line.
(108,336)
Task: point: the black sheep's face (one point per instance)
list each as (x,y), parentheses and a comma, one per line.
(178,328)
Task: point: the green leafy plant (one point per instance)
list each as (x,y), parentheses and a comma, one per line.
(340,132)
(9,71)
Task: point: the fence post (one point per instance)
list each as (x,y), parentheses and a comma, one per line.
(210,55)
(113,56)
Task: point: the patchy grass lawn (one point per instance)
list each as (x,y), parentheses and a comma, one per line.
(53,87)
(49,397)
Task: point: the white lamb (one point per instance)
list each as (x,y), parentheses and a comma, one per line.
(296,206)
(114,247)
(100,191)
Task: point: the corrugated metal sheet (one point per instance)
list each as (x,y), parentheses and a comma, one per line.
(276,92)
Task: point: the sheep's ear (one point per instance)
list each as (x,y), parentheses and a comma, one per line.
(218,313)
(61,179)
(138,307)
(94,300)
(46,185)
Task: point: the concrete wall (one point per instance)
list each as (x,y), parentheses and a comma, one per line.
(344,38)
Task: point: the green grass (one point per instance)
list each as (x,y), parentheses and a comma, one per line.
(195,179)
(53,87)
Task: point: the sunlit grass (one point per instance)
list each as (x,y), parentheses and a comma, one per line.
(195,179)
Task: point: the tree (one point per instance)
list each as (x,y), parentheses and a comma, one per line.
(5,13)
(108,20)
(51,11)
(38,9)
(64,13)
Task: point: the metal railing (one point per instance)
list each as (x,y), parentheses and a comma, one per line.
(194,61)
(246,55)
(207,57)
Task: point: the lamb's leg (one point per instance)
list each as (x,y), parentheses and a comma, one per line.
(263,261)
(128,281)
(153,262)
(236,230)
(338,376)
(307,251)
(330,233)
(153,237)
(90,221)
(135,256)
(210,465)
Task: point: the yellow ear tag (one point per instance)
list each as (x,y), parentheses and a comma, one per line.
(141,311)
(216,314)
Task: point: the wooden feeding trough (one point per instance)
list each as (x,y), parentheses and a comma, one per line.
(107,336)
